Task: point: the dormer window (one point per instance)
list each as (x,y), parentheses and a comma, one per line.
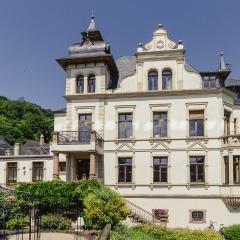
(91,83)
(210,81)
(166,79)
(152,80)
(80,84)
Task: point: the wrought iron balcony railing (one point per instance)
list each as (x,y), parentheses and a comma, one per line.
(77,137)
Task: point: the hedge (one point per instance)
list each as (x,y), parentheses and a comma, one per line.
(55,222)
(158,232)
(232,232)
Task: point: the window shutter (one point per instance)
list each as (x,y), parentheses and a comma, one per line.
(195,115)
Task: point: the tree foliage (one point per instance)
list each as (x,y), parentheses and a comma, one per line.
(102,207)
(21,120)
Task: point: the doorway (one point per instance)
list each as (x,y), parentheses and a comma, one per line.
(82,168)
(85,127)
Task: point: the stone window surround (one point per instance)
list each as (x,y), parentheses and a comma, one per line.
(5,169)
(160,154)
(197,210)
(193,153)
(85,110)
(196,106)
(160,71)
(228,107)
(44,169)
(125,109)
(124,155)
(160,108)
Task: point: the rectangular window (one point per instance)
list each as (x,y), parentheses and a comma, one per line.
(197,174)
(236,169)
(235,125)
(196,123)
(210,81)
(197,216)
(226,169)
(62,166)
(125,170)
(227,122)
(160,166)
(37,171)
(85,127)
(124,125)
(80,85)
(160,124)
(11,172)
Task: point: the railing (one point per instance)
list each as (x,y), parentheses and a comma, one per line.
(6,151)
(139,213)
(78,137)
(22,150)
(105,233)
(34,150)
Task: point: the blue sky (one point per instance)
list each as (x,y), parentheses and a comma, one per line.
(34,33)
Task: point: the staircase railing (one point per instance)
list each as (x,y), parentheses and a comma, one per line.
(140,214)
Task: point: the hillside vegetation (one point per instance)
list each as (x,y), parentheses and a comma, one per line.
(21,120)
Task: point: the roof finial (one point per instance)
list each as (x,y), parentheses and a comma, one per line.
(222,63)
(92,25)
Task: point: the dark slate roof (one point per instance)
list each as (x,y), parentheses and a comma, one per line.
(126,66)
(190,68)
(31,143)
(232,82)
(62,110)
(4,142)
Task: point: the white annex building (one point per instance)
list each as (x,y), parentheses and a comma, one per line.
(150,126)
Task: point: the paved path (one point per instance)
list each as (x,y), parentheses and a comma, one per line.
(50,236)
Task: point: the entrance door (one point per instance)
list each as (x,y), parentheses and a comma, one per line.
(85,127)
(82,169)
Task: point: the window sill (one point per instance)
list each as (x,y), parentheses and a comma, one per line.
(167,139)
(194,138)
(198,222)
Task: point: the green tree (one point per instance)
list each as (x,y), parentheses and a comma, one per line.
(102,207)
(21,120)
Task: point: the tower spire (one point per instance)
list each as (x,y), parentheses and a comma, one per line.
(92,25)
(222,63)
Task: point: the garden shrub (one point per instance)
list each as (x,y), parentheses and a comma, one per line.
(162,233)
(55,222)
(17,223)
(232,232)
(102,207)
(55,196)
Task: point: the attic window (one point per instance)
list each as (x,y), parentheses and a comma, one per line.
(152,80)
(211,81)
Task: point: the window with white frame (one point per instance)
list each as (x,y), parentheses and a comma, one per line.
(160,169)
(197,169)
(196,123)
(160,123)
(125,170)
(125,125)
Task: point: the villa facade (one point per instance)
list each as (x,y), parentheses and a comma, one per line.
(152,127)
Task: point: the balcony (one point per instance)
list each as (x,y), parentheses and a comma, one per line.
(77,141)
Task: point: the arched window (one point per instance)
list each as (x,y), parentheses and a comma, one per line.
(166,79)
(80,84)
(91,83)
(152,80)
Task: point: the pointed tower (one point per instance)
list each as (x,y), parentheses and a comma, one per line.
(222,63)
(92,61)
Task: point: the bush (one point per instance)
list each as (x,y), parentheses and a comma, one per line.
(55,196)
(158,232)
(232,232)
(55,222)
(102,207)
(17,223)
